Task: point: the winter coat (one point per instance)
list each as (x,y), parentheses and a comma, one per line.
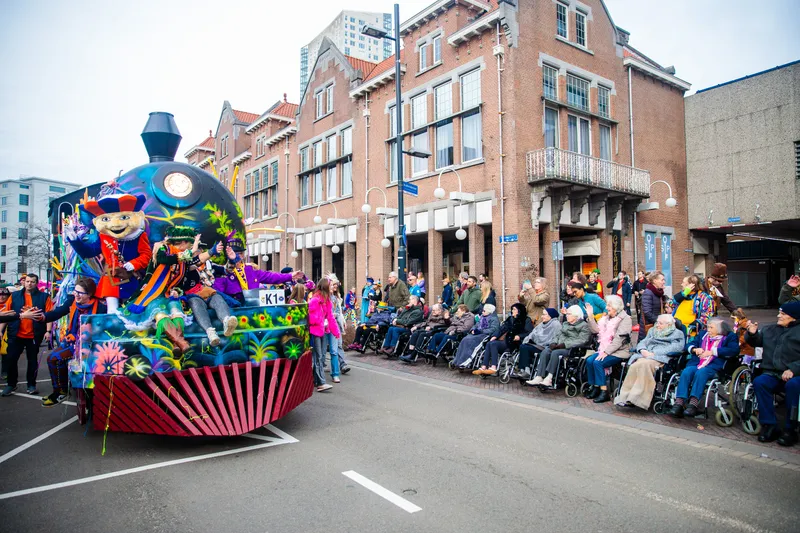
(460,324)
(781,347)
(380,318)
(318,312)
(433,321)
(787,295)
(728,348)
(597,303)
(491,328)
(627,290)
(571,335)
(534,303)
(409,316)
(447,295)
(661,347)
(514,327)
(471,298)
(652,306)
(621,343)
(544,333)
(703,306)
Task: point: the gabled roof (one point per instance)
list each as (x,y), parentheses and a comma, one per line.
(361,64)
(630,51)
(209,142)
(385,65)
(324,47)
(208,145)
(441,6)
(380,75)
(280,110)
(244,116)
(635,59)
(286,109)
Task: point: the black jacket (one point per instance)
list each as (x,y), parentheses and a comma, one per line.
(513,327)
(781,347)
(40,300)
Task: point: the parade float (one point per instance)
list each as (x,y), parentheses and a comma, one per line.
(136,381)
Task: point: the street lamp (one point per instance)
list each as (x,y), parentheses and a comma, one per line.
(378,33)
(671,201)
(648,206)
(381,211)
(459,196)
(331,221)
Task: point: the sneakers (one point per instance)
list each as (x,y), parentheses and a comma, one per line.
(324,388)
(54,399)
(213,338)
(336,379)
(355,346)
(32,390)
(548,381)
(230,324)
(485,372)
(8,390)
(345,369)
(535,381)
(522,374)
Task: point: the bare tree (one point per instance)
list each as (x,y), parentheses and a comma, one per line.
(38,248)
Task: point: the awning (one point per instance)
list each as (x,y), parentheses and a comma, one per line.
(582,247)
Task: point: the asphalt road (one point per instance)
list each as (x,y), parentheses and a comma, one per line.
(469,459)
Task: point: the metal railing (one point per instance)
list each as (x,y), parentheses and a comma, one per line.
(553,163)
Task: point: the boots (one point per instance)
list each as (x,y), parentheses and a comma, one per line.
(175,334)
(594,394)
(789,437)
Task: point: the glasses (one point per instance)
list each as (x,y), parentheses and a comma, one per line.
(79,293)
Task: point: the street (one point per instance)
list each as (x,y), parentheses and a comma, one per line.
(448,458)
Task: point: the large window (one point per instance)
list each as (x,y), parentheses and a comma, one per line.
(580,28)
(329,99)
(273,190)
(471,89)
(603,108)
(248,183)
(331,142)
(605,142)
(318,188)
(317,153)
(23,216)
(392,121)
(419,111)
(579,135)
(550,82)
(443,101)
(256,180)
(24,199)
(347,141)
(577,92)
(550,127)
(256,205)
(420,142)
(304,159)
(471,137)
(53,188)
(561,20)
(444,144)
(333,185)
(22,233)
(347,178)
(304,190)
(320,103)
(423,56)
(437,49)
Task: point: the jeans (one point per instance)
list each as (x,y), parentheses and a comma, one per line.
(765,386)
(693,381)
(393,335)
(15,347)
(419,337)
(333,349)
(318,351)
(548,361)
(526,355)
(57,363)
(492,352)
(200,309)
(438,341)
(596,370)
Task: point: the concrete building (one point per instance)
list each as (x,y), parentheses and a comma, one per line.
(554,133)
(345,33)
(25,241)
(743,162)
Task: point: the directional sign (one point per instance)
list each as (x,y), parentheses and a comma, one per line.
(410,189)
(509,238)
(734,220)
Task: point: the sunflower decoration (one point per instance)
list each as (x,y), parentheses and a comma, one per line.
(262,320)
(137,367)
(293,348)
(244,323)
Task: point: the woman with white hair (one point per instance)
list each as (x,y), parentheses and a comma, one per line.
(487,326)
(651,353)
(574,332)
(614,335)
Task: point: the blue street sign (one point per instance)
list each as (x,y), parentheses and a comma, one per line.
(734,220)
(410,189)
(509,238)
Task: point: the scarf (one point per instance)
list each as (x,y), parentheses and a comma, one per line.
(608,328)
(483,323)
(657,292)
(709,343)
(662,333)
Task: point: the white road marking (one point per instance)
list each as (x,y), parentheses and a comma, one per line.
(37,381)
(135,470)
(37,440)
(706,514)
(25,395)
(382,492)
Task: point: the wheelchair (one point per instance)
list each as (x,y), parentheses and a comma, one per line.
(742,396)
(421,349)
(571,371)
(374,339)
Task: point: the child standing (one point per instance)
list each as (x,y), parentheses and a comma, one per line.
(320,310)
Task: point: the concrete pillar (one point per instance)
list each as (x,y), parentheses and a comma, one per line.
(306,263)
(548,237)
(606,260)
(351,276)
(387,264)
(433,280)
(327,260)
(477,250)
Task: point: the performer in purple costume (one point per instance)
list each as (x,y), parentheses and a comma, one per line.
(237,275)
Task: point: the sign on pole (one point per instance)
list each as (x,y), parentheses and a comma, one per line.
(509,238)
(410,189)
(557,248)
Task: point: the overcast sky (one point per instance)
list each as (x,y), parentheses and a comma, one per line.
(79,77)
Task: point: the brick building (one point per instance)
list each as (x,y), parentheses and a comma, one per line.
(526,109)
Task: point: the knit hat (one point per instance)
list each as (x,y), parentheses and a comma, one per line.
(792,309)
(720,271)
(552,312)
(180,234)
(287,270)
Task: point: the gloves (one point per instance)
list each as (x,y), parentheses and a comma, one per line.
(129,267)
(69,231)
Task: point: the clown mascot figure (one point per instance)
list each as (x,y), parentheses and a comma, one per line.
(121,240)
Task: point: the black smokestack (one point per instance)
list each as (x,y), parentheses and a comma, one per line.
(161,137)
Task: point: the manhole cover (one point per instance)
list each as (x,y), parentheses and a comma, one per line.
(409,492)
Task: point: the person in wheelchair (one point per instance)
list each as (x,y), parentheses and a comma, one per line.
(536,342)
(508,337)
(381,317)
(420,332)
(460,323)
(614,335)
(780,368)
(650,354)
(406,317)
(709,352)
(487,325)
(574,332)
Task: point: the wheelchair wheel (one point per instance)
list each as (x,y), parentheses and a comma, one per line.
(571,390)
(586,388)
(660,407)
(504,369)
(751,426)
(724,417)
(738,389)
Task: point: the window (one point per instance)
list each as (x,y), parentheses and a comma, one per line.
(420,142)
(248,183)
(443,101)
(258,147)
(273,191)
(5,185)
(423,56)
(23,216)
(347,178)
(796,161)
(4,233)
(331,142)
(265,203)
(561,20)
(304,190)
(605,142)
(347,141)
(471,89)
(2,268)
(53,188)
(304,158)
(318,187)
(603,108)
(256,180)
(580,28)
(22,250)
(419,111)
(333,184)
(4,201)
(329,98)
(347,50)
(471,137)
(318,101)
(437,49)
(22,233)
(444,144)
(256,205)
(577,92)
(317,153)
(3,250)
(274,172)
(579,135)
(4,216)
(550,82)
(22,267)
(392,121)
(21,186)
(223,146)
(393,162)
(550,128)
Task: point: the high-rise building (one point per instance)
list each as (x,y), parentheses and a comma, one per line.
(25,240)
(345,33)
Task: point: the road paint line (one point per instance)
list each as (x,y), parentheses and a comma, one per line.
(25,395)
(705,514)
(144,468)
(37,381)
(37,440)
(382,492)
(282,434)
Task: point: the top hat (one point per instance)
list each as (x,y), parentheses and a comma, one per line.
(114,203)
(719,271)
(180,234)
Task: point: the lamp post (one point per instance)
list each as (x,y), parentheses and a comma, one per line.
(648,206)
(460,196)
(366,208)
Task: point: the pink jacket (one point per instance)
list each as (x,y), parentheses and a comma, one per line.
(317,313)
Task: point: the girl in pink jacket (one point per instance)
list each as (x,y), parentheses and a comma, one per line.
(320,310)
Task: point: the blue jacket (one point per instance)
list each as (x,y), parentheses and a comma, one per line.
(594,300)
(447,295)
(627,290)
(727,349)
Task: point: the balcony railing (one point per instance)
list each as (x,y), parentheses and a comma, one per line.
(553,163)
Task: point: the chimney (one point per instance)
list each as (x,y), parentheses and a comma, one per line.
(161,137)
(210,134)
(284,98)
